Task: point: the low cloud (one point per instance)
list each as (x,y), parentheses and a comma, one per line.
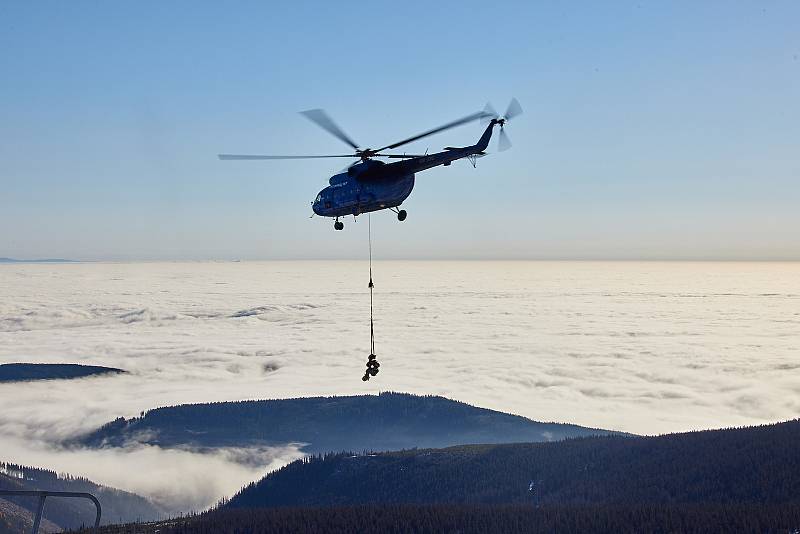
(626,346)
(177,479)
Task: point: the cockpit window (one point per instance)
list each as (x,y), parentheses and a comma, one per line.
(319,199)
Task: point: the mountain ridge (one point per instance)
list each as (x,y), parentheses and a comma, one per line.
(737,465)
(743,479)
(388,421)
(26,372)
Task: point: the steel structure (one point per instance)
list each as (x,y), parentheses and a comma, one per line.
(42,495)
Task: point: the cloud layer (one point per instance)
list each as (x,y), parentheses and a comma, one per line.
(639,347)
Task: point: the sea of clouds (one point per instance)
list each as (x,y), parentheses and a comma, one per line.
(646,348)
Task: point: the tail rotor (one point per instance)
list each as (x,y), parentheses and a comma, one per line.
(513,110)
(503,142)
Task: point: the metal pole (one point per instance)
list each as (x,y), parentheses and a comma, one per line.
(44,494)
(38,518)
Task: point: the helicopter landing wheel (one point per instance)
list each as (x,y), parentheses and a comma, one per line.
(338,225)
(401,215)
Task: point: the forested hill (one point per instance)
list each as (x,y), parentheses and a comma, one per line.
(483,519)
(389,421)
(117,505)
(18,372)
(746,465)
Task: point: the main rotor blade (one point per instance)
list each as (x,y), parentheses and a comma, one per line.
(347,169)
(321,119)
(513,110)
(253,156)
(459,122)
(490,113)
(397,156)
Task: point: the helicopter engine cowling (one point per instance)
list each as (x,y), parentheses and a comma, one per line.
(338,178)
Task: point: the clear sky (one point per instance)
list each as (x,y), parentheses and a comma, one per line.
(651,129)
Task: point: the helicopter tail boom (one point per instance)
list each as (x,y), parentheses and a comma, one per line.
(483,142)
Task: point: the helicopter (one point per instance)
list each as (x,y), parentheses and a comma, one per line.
(370,184)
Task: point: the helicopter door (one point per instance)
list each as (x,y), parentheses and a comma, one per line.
(345,197)
(365,199)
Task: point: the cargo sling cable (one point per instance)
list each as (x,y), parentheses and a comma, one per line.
(372,361)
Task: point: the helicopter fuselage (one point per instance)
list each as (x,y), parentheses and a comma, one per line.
(372,185)
(349,195)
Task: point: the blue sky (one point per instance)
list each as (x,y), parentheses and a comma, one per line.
(651,130)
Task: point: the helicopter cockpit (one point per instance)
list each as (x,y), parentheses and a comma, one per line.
(322,202)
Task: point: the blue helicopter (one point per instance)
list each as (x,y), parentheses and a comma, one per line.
(372,185)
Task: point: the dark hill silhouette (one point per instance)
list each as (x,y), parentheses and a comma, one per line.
(18,372)
(483,519)
(389,421)
(118,505)
(735,466)
(720,481)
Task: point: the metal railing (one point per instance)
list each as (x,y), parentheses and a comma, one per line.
(44,494)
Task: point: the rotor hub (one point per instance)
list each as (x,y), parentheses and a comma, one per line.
(365,154)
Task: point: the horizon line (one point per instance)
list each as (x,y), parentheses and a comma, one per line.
(12,261)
